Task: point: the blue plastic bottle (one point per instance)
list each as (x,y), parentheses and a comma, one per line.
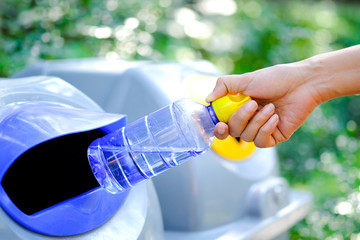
(157,142)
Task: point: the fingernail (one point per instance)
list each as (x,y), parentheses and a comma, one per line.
(274,119)
(251,106)
(268,109)
(209,98)
(221,130)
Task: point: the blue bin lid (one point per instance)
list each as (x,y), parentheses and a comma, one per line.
(35,197)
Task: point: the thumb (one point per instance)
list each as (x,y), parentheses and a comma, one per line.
(230,84)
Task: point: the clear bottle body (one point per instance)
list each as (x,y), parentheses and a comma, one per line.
(151,145)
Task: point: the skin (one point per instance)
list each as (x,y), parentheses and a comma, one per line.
(285,95)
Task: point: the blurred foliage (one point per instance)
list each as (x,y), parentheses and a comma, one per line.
(322,157)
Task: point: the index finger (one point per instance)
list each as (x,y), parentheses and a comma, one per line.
(229,84)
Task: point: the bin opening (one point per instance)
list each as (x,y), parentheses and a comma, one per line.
(51,172)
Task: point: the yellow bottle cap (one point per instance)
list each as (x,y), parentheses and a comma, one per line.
(226,106)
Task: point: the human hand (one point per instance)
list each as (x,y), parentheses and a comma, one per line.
(283,98)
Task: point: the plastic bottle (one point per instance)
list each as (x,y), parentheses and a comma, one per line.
(157,142)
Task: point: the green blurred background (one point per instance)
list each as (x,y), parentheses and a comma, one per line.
(237,36)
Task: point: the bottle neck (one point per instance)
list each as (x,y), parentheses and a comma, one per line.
(212,114)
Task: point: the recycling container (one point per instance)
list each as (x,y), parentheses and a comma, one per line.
(233,191)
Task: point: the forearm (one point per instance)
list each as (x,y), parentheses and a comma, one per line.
(333,74)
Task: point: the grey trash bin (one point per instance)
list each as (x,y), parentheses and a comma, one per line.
(210,197)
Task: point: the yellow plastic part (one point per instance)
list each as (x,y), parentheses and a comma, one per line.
(226,106)
(230,148)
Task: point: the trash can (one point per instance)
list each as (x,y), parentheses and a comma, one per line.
(231,192)
(47,188)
